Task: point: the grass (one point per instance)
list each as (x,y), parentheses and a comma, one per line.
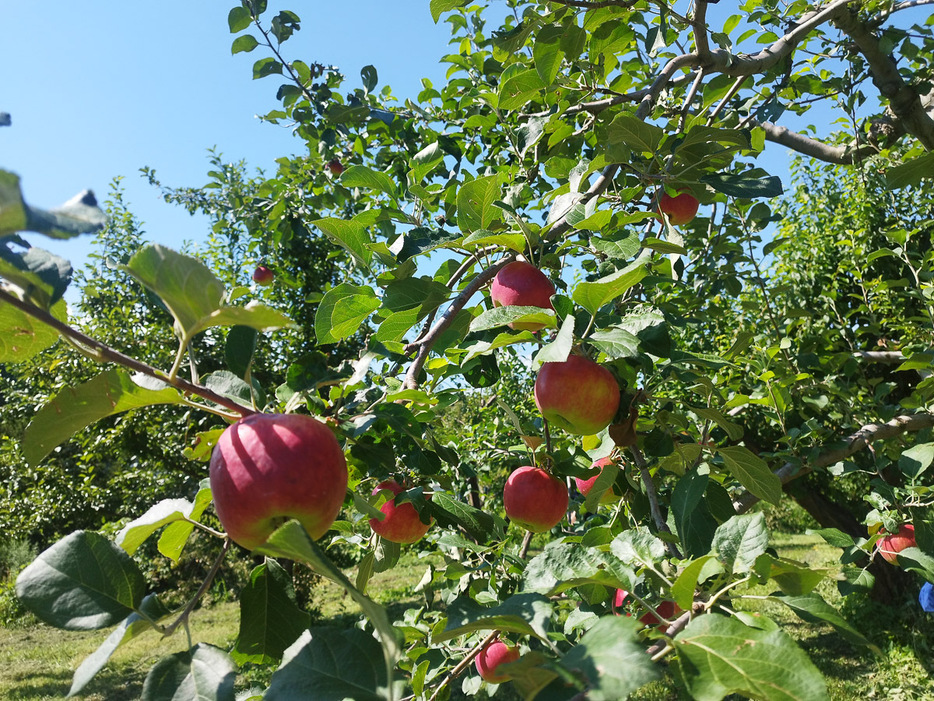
(37,662)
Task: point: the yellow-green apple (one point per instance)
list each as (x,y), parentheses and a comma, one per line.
(522,284)
(401,523)
(535,499)
(263,275)
(577,395)
(892,544)
(584,486)
(680,209)
(269,468)
(491,657)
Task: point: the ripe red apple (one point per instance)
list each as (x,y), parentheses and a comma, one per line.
(269,468)
(401,524)
(263,275)
(680,209)
(892,544)
(584,486)
(577,395)
(534,499)
(522,284)
(664,611)
(336,167)
(491,657)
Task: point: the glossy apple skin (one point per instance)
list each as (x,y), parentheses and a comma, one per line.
(577,395)
(336,167)
(681,208)
(263,275)
(522,284)
(269,468)
(534,499)
(491,657)
(401,524)
(892,544)
(584,486)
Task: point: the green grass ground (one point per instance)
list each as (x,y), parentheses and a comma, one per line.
(37,662)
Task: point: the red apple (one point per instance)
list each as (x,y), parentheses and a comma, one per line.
(577,395)
(534,499)
(401,523)
(521,284)
(680,209)
(892,544)
(269,468)
(491,657)
(664,611)
(584,486)
(336,167)
(263,275)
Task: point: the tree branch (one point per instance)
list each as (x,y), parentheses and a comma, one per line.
(853,444)
(652,495)
(842,155)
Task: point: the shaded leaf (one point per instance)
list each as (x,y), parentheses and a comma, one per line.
(204,672)
(524,614)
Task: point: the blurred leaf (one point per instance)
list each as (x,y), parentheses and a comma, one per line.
(204,672)
(22,336)
(42,276)
(813,609)
(911,172)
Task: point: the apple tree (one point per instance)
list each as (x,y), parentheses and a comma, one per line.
(713,361)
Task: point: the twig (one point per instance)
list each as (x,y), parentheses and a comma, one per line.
(652,495)
(183,618)
(526,542)
(464,663)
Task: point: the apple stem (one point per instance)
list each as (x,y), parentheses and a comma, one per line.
(526,542)
(464,663)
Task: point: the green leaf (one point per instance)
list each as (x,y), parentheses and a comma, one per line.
(593,295)
(243,44)
(13,214)
(813,609)
(425,160)
(615,342)
(744,185)
(503,339)
(718,656)
(438,7)
(130,627)
(421,240)
(733,431)
(547,52)
(83,582)
(330,664)
(255,315)
(638,135)
(75,408)
(911,172)
(238,19)
(741,540)
(752,472)
(351,234)
(185,284)
(482,237)
(270,620)
(396,325)
(682,591)
(79,215)
(167,511)
(524,614)
(914,461)
(794,578)
(41,275)
(342,311)
(266,67)
(500,316)
(612,659)
(519,89)
(638,546)
(361,176)
(693,521)
(558,350)
(176,534)
(475,208)
(479,524)
(239,349)
(564,565)
(204,672)
(22,336)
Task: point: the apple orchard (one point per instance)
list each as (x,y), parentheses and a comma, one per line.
(553,324)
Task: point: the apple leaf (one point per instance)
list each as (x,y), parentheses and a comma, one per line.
(547,52)
(504,339)
(83,582)
(330,664)
(615,342)
(532,672)
(500,316)
(270,620)
(518,89)
(204,672)
(563,565)
(12,207)
(638,546)
(350,234)
(611,659)
(813,609)
(593,295)
(175,536)
(740,541)
(79,215)
(635,133)
(74,408)
(744,185)
(718,656)
(752,472)
(42,276)
(167,511)
(130,627)
(395,326)
(524,614)
(682,591)
(22,336)
(481,525)
(438,7)
(254,315)
(910,172)
(421,239)
(342,311)
(361,176)
(693,521)
(475,203)
(482,237)
(793,578)
(558,350)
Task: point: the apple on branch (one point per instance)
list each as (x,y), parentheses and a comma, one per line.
(491,657)
(269,468)
(577,395)
(534,499)
(585,485)
(680,209)
(665,611)
(336,167)
(401,523)
(521,284)
(263,276)
(893,543)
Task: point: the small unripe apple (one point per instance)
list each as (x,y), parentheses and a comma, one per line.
(263,276)
(269,468)
(521,284)
(336,167)
(534,499)
(892,544)
(680,209)
(584,486)
(401,523)
(577,395)
(491,657)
